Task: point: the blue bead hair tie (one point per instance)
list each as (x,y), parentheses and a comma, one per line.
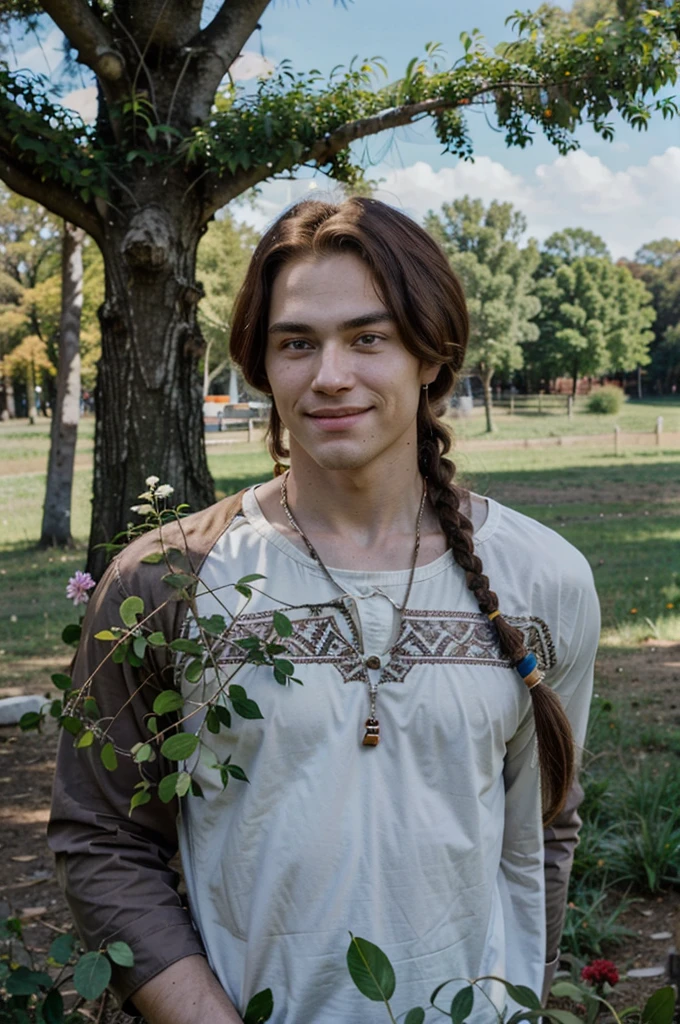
(528,670)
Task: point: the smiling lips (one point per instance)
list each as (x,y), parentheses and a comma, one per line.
(337,419)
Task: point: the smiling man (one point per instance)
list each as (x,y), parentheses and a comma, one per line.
(419,789)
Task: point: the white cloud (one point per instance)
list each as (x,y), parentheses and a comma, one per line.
(626,207)
(45,57)
(83,101)
(250,65)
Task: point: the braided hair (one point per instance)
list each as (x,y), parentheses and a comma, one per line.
(426,300)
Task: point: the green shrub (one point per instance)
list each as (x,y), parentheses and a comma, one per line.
(608,400)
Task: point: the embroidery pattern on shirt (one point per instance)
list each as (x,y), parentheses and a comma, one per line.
(425,637)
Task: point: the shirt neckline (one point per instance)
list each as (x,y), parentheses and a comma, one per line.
(256,518)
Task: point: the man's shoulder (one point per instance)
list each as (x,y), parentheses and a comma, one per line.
(181,543)
(535,548)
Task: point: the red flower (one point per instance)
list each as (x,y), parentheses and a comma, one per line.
(600,971)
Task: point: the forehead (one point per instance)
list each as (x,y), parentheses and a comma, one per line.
(324,290)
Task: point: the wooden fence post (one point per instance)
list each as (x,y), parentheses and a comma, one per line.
(570,406)
(617,436)
(250,430)
(540,403)
(659,429)
(512,404)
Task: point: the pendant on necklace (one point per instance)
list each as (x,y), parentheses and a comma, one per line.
(372,734)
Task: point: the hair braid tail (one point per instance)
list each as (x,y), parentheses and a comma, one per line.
(553,730)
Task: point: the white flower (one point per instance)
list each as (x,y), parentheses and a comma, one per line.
(146,495)
(164,491)
(142,510)
(151,481)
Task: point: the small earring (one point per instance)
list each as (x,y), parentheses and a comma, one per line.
(425,387)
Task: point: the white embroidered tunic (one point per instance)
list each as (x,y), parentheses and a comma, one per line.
(430,844)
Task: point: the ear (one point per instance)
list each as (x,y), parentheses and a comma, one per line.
(429,373)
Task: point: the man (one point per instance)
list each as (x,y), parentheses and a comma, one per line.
(397,793)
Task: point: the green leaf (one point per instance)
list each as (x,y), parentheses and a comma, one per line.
(154,558)
(71,634)
(183,784)
(215,625)
(24,982)
(130,609)
(246,591)
(560,1016)
(52,1008)
(157,639)
(370,970)
(142,752)
(138,799)
(30,720)
(139,646)
(167,787)
(178,580)
(104,634)
(461,1005)
(179,747)
(223,714)
(168,700)
(237,773)
(56,708)
(152,724)
(91,708)
(260,1008)
(61,681)
(86,740)
(521,994)
(282,624)
(285,666)
(92,973)
(415,1016)
(186,646)
(566,989)
(72,724)
(194,671)
(62,949)
(242,704)
(108,757)
(121,954)
(212,721)
(660,1007)
(250,579)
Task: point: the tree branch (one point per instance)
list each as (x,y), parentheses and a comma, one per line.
(220,191)
(88,36)
(54,198)
(223,39)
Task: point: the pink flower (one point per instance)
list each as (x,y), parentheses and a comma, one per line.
(78,586)
(600,971)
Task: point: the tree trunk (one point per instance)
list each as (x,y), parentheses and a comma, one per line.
(30,392)
(639,381)
(574,381)
(10,404)
(148,399)
(56,524)
(486,379)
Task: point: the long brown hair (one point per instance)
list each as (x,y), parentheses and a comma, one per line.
(416,283)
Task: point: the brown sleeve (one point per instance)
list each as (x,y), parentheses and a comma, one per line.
(560,840)
(114,868)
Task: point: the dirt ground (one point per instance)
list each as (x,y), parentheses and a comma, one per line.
(28,889)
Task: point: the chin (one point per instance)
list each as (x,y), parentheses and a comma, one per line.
(342,456)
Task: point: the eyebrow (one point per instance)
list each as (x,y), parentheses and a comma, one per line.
(295,327)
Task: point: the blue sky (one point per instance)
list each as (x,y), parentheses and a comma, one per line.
(626,191)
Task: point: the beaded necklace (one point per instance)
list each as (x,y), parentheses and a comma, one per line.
(372,725)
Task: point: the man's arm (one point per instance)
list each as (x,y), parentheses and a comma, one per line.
(185,993)
(113,866)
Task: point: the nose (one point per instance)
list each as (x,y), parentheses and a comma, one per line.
(334,370)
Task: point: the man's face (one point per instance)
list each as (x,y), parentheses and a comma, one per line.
(343,382)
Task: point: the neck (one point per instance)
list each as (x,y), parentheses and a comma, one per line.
(364,506)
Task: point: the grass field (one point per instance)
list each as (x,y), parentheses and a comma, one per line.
(622,512)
